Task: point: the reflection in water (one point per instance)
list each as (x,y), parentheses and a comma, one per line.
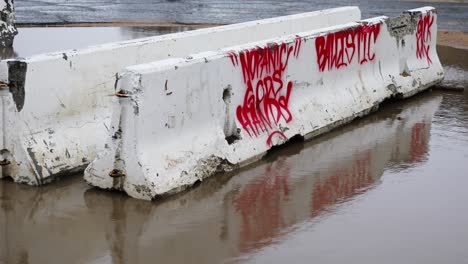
(227,217)
(125,221)
(418,149)
(343,184)
(331,170)
(453,116)
(37,223)
(260,204)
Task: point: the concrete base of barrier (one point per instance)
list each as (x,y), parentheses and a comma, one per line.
(56,111)
(178,121)
(8,30)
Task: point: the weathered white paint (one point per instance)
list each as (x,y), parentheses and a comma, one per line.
(174,118)
(8,29)
(58,111)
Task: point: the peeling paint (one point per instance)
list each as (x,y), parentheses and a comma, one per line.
(403,25)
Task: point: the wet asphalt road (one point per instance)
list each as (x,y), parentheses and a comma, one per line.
(453,14)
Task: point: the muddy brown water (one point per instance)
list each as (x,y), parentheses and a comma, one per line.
(388,188)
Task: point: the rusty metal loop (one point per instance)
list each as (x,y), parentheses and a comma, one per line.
(3,85)
(116,173)
(122,93)
(4,162)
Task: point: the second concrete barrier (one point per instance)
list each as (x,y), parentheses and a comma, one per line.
(181,120)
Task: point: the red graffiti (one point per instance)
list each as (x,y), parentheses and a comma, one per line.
(343,184)
(339,49)
(260,205)
(419,142)
(424,38)
(270,137)
(266,99)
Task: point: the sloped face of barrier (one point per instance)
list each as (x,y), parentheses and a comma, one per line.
(179,121)
(55,111)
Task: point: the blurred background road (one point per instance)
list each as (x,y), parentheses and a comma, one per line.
(453,13)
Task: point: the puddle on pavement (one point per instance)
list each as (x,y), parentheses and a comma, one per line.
(388,188)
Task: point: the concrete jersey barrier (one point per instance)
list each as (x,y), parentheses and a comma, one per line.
(181,120)
(55,111)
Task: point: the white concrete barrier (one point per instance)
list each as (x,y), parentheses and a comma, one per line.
(57,111)
(8,29)
(178,121)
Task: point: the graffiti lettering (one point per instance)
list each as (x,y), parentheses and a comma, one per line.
(266,99)
(419,142)
(339,49)
(423,37)
(343,184)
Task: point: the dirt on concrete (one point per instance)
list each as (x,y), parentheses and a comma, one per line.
(452,39)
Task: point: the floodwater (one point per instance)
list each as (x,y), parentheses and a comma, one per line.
(388,188)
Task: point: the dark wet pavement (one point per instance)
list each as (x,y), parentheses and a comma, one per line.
(388,188)
(453,13)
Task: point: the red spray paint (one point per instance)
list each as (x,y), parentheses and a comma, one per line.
(260,206)
(267,94)
(339,49)
(419,142)
(424,38)
(343,184)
